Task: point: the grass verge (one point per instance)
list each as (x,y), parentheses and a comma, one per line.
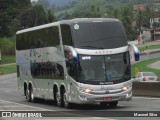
(142,66)
(149,47)
(8,59)
(7,69)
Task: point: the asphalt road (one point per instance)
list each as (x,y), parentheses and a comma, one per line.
(11,100)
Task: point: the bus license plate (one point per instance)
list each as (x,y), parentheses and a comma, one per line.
(107,98)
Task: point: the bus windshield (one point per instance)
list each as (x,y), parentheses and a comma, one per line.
(107,68)
(98,35)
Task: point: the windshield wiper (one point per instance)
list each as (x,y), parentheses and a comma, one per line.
(92,47)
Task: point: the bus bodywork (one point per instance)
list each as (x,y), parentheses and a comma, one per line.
(84,61)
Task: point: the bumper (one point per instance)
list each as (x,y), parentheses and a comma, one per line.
(83,98)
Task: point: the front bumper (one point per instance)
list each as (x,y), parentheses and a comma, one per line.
(84,98)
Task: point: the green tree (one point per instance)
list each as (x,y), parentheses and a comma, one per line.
(33,17)
(9,11)
(51,17)
(113,13)
(140,19)
(155,25)
(94,12)
(148,13)
(116,13)
(44,3)
(127,19)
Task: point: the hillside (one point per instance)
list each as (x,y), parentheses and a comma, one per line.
(85,5)
(59,2)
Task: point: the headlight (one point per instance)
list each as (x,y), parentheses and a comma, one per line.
(87,90)
(124,88)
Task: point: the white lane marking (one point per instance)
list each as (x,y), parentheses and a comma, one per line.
(100,118)
(10,106)
(7,91)
(149,98)
(27,105)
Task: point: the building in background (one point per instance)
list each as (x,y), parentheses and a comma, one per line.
(157,33)
(154,20)
(156,6)
(139,7)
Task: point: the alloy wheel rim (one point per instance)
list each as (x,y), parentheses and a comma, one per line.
(32,96)
(58,98)
(65,99)
(27,94)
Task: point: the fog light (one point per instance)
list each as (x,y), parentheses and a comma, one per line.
(83,97)
(129,95)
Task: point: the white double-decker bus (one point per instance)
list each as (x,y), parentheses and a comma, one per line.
(84,61)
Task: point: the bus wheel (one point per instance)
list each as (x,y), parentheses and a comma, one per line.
(66,104)
(58,99)
(25,90)
(32,95)
(28,95)
(113,104)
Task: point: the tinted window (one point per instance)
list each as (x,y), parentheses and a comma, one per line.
(66,35)
(46,37)
(47,70)
(93,35)
(71,66)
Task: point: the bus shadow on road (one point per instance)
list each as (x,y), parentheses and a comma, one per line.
(83,106)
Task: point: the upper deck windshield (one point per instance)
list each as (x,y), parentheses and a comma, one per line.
(106,68)
(98,35)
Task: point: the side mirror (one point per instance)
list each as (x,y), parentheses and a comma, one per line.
(134,53)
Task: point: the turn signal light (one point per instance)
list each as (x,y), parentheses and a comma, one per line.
(157,79)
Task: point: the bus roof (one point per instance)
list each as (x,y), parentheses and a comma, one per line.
(76,20)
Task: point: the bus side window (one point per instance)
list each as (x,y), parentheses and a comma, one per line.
(66,58)
(70,65)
